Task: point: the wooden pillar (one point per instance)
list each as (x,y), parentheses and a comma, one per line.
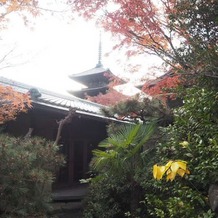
(71,162)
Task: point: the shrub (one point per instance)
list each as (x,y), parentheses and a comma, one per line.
(26,174)
(193,138)
(115,192)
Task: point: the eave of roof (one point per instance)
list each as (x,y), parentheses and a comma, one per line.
(54,99)
(59,102)
(90,89)
(159,79)
(93,71)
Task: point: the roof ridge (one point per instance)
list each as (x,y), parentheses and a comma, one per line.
(46,92)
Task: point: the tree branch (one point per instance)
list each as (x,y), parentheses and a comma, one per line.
(62,122)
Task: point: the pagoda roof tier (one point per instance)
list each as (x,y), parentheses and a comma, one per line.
(89,91)
(86,75)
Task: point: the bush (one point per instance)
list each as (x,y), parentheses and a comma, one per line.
(107,198)
(115,192)
(193,138)
(26,175)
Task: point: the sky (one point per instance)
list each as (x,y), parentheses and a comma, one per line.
(48,51)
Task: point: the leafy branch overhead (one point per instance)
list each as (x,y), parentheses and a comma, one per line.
(182,34)
(23,8)
(140,111)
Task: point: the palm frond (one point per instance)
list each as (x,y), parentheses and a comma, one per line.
(144,135)
(122,148)
(103,158)
(121,139)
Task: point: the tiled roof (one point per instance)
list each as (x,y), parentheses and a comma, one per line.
(160,78)
(55,100)
(96,70)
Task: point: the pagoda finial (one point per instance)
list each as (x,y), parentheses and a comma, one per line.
(99,64)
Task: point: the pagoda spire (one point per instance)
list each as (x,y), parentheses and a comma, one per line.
(99,64)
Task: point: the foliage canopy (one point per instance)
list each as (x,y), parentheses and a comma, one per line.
(183,34)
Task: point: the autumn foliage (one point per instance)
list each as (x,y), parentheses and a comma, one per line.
(162,88)
(182,33)
(171,169)
(112,97)
(138,22)
(12,103)
(19,7)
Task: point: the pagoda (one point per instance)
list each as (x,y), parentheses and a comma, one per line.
(95,80)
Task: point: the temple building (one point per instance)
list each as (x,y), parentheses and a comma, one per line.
(95,80)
